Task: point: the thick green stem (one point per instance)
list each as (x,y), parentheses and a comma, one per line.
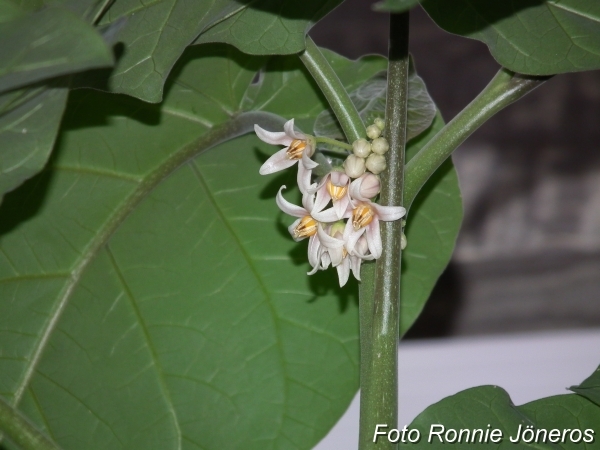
(22,432)
(505,88)
(380,320)
(334,91)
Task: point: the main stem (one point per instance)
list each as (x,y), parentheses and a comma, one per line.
(380,321)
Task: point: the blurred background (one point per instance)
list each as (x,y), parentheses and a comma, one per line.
(528,256)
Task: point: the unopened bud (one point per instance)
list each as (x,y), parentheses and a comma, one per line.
(354,166)
(376,163)
(403,241)
(370,185)
(373,131)
(361,147)
(380,145)
(380,123)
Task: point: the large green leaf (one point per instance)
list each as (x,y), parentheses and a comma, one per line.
(152,289)
(39,44)
(590,388)
(29,121)
(490,408)
(536,37)
(46,43)
(156,33)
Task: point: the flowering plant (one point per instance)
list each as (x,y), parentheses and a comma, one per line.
(149,297)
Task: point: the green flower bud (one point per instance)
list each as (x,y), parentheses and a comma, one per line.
(361,147)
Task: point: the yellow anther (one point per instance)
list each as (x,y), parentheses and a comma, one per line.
(362,216)
(307,227)
(295,149)
(336,191)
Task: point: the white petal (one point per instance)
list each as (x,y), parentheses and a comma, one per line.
(308,201)
(355,190)
(304,179)
(288,127)
(329,215)
(339,178)
(291,229)
(374,238)
(314,246)
(351,236)
(277,162)
(289,208)
(355,263)
(272,137)
(341,207)
(322,199)
(328,241)
(343,271)
(325,260)
(388,213)
(308,163)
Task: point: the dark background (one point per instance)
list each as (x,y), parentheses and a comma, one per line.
(528,256)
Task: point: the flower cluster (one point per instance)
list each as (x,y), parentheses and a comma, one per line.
(338,215)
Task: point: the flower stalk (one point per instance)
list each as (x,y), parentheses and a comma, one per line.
(380,303)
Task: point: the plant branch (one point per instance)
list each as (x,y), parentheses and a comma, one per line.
(380,320)
(505,88)
(334,91)
(22,432)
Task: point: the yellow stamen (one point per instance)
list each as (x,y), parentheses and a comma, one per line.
(362,216)
(295,149)
(307,227)
(336,191)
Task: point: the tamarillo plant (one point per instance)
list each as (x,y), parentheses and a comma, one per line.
(151,296)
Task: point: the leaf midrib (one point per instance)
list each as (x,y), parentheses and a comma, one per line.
(228,130)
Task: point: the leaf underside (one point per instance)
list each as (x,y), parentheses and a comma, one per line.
(535,37)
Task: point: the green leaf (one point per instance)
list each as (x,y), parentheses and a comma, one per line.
(269,27)
(490,408)
(432,226)
(433,223)
(370,99)
(29,122)
(156,34)
(155,298)
(48,43)
(590,388)
(535,37)
(395,6)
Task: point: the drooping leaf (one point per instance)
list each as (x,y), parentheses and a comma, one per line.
(590,388)
(269,27)
(155,299)
(395,6)
(535,37)
(156,34)
(29,121)
(488,408)
(369,99)
(46,43)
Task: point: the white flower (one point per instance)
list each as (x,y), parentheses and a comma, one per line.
(306,224)
(365,220)
(334,187)
(331,249)
(298,146)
